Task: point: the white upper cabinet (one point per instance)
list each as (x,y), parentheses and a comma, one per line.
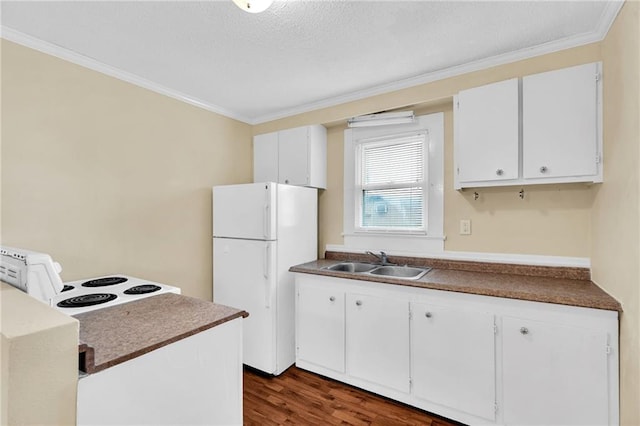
(543,128)
(560,123)
(295,156)
(487,129)
(265,157)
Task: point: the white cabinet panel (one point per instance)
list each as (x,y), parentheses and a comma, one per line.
(554,374)
(543,364)
(560,118)
(453,358)
(193,381)
(378,340)
(320,327)
(295,156)
(487,132)
(549,130)
(265,158)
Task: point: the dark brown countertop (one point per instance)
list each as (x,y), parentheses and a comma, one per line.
(549,289)
(119,333)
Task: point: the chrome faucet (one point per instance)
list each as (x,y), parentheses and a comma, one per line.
(382,257)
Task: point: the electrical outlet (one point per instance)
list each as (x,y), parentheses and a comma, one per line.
(465,227)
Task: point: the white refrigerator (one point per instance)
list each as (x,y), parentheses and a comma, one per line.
(260,230)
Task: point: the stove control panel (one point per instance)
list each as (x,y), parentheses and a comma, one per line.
(32,272)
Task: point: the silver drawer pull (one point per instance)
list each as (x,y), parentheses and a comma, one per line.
(332,299)
(524,330)
(543,169)
(358,302)
(428,314)
(499,172)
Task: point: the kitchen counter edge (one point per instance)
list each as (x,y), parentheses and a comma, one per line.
(120,333)
(563,291)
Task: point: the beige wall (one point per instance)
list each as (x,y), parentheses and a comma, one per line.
(39,362)
(111,178)
(551,220)
(117,178)
(598,221)
(615,249)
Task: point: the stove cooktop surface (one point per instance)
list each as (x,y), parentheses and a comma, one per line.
(101,292)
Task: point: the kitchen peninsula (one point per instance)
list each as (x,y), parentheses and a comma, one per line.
(168,359)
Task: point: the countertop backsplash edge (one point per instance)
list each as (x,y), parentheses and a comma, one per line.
(574,268)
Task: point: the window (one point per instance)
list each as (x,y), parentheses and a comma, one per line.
(393,186)
(391,182)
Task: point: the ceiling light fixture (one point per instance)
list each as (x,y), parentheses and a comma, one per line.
(253,6)
(382,119)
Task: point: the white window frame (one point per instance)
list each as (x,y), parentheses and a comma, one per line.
(399,241)
(360,186)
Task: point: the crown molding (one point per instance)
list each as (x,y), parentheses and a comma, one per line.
(606,20)
(87,62)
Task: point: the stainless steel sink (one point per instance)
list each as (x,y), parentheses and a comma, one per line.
(352,267)
(405,272)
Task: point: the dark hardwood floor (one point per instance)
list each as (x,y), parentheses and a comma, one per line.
(298,397)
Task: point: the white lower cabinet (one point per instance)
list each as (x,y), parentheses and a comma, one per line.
(554,374)
(474,359)
(453,358)
(320,327)
(378,340)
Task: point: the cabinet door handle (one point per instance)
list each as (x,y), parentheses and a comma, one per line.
(428,314)
(286,181)
(358,302)
(524,330)
(543,169)
(332,299)
(499,172)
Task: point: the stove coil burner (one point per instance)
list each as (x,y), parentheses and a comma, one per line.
(67,287)
(103,282)
(142,289)
(87,300)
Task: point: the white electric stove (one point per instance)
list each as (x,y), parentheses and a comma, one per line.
(194,380)
(39,276)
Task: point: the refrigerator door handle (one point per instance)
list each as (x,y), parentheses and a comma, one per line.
(267,262)
(266,222)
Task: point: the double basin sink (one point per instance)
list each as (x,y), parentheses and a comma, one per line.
(402,272)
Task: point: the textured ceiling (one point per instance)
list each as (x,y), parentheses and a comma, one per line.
(297,55)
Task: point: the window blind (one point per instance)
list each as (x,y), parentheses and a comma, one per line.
(393,183)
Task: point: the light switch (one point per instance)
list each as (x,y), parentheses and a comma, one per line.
(465,227)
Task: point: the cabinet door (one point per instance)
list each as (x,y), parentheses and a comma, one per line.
(378,340)
(559,123)
(265,157)
(487,132)
(453,358)
(293,156)
(554,374)
(320,326)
